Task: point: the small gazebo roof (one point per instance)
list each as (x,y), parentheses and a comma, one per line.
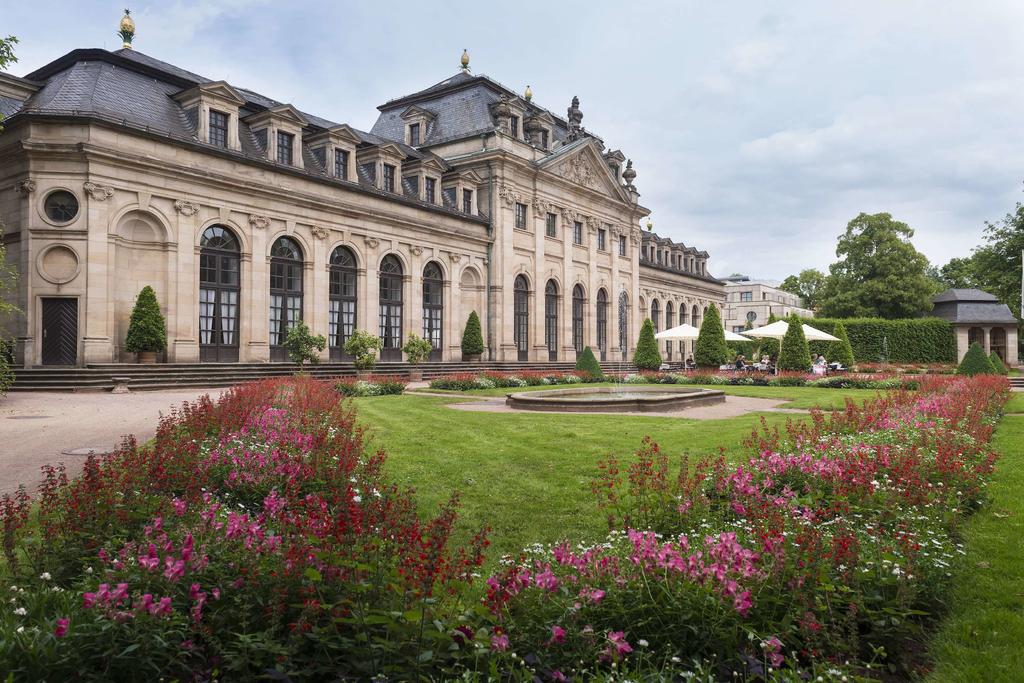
(972,306)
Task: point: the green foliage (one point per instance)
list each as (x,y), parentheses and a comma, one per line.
(6,59)
(840,351)
(911,340)
(647,356)
(302,345)
(587,363)
(710,351)
(807,285)
(997,364)
(879,272)
(147,330)
(6,372)
(375,386)
(417,349)
(363,347)
(472,336)
(795,354)
(975,362)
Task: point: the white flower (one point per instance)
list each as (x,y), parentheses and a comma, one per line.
(357,499)
(88,570)
(20,629)
(45,576)
(21,611)
(642,643)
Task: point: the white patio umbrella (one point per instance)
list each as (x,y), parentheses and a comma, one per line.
(778,329)
(686,332)
(732,336)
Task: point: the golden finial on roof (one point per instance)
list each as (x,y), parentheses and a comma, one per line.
(528,94)
(465,60)
(650,225)
(127,31)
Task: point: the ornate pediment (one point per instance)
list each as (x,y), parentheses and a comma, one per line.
(581,163)
(579,170)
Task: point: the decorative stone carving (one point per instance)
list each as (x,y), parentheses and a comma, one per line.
(629,175)
(319,232)
(185,207)
(511,197)
(100,193)
(575,117)
(455,257)
(579,170)
(634,236)
(542,208)
(25,187)
(569,216)
(259,222)
(501,112)
(372,242)
(416,250)
(593,224)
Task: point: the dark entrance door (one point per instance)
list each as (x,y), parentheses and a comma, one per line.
(60,331)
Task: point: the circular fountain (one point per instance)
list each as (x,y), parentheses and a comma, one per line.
(617,399)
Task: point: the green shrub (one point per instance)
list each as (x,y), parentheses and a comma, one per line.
(6,360)
(910,340)
(472,336)
(147,330)
(363,347)
(710,351)
(302,345)
(417,349)
(374,386)
(647,356)
(840,351)
(997,364)
(587,363)
(975,362)
(787,381)
(794,355)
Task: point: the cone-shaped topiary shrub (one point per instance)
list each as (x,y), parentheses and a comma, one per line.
(840,351)
(647,356)
(588,363)
(997,364)
(795,355)
(472,336)
(147,330)
(710,351)
(975,362)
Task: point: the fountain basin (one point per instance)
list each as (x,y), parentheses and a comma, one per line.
(628,398)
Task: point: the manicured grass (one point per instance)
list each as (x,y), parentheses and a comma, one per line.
(983,637)
(1016,403)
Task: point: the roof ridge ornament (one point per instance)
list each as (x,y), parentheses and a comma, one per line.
(575,117)
(127,29)
(629,175)
(465,61)
(528,94)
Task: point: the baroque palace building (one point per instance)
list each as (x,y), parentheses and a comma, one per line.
(246,215)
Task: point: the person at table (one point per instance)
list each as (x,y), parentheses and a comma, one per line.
(690,365)
(739,362)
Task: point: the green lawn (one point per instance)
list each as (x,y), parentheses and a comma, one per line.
(1016,403)
(983,637)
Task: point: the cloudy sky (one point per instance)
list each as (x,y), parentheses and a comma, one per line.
(757,129)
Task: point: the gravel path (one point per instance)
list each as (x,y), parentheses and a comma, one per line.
(36,427)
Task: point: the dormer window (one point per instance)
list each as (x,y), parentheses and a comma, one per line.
(389,178)
(341,164)
(285,145)
(467,201)
(543,139)
(218,128)
(430,190)
(414,134)
(513,126)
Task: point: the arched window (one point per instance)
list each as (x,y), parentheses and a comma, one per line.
(695,315)
(551,319)
(624,324)
(602,322)
(577,318)
(341,321)
(391,308)
(433,307)
(669,324)
(521,315)
(219,285)
(997,342)
(656,316)
(285,293)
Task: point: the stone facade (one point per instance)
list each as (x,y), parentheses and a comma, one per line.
(757,300)
(119,171)
(979,317)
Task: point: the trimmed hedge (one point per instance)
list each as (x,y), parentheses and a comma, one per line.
(997,364)
(975,362)
(840,351)
(647,356)
(472,336)
(909,340)
(795,354)
(711,351)
(588,363)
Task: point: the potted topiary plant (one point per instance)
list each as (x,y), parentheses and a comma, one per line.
(416,349)
(363,348)
(147,330)
(303,345)
(472,340)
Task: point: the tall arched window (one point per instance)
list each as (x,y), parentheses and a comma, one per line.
(656,316)
(341,321)
(551,319)
(219,278)
(521,315)
(433,307)
(285,293)
(624,324)
(602,322)
(391,308)
(695,314)
(669,324)
(577,318)
(683,319)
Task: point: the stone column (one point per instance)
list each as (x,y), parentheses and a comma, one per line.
(415,293)
(987,339)
(184,340)
(255,308)
(369,310)
(450,314)
(96,312)
(315,299)
(613,303)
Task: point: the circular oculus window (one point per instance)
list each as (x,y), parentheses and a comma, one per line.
(61,206)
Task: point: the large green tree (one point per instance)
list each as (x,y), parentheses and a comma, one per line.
(996,264)
(807,285)
(6,59)
(879,272)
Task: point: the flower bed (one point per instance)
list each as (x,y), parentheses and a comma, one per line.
(491,380)
(256,537)
(825,553)
(786,379)
(382,385)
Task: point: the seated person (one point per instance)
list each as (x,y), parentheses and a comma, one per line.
(739,362)
(690,365)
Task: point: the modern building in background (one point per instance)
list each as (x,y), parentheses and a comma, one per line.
(754,301)
(246,215)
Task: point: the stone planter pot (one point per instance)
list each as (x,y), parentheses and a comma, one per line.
(146,357)
(471,357)
(415,375)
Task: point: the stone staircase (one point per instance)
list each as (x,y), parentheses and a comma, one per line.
(99,377)
(1017,382)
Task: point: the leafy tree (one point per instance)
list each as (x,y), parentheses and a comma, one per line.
(147,329)
(472,336)
(795,354)
(363,347)
(302,345)
(840,351)
(958,273)
(647,356)
(417,349)
(975,362)
(710,351)
(587,363)
(997,364)
(807,285)
(879,272)
(6,59)
(996,265)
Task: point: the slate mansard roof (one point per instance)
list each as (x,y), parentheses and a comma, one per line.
(971,306)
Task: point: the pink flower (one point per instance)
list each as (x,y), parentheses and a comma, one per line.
(120,593)
(557,635)
(180,506)
(162,607)
(88,600)
(499,642)
(546,579)
(617,647)
(62,628)
(743,603)
(175,569)
(150,560)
